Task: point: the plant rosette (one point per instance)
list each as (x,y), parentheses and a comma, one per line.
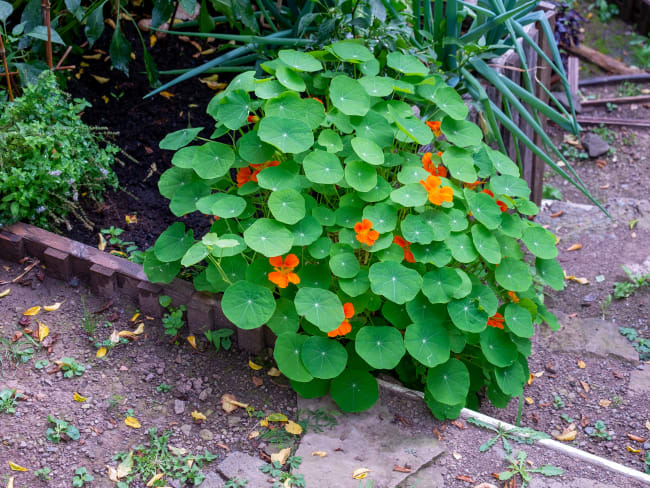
(357,250)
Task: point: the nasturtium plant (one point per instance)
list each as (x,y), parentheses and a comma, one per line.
(358,247)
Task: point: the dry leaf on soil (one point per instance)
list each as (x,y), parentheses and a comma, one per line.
(254,434)
(102,243)
(52,308)
(282,456)
(198,416)
(274,372)
(131,219)
(462,477)
(112,474)
(78,398)
(253,366)
(32,311)
(132,422)
(43,331)
(139,330)
(529,400)
(585,386)
(15,467)
(604,403)
(192,340)
(229,403)
(574,247)
(114,337)
(635,438)
(124,468)
(632,450)
(568,434)
(319,453)
(101,352)
(360,473)
(293,428)
(154,479)
(456,455)
(5,293)
(10,482)
(581,364)
(257,381)
(402,469)
(100,79)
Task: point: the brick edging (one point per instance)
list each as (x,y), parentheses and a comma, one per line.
(108,275)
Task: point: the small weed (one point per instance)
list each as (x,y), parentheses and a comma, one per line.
(623,289)
(317,420)
(89,320)
(285,477)
(629,139)
(125,249)
(219,338)
(61,430)
(647,462)
(19,352)
(641,344)
(236,483)
(9,400)
(599,431)
(173,319)
(572,153)
(523,435)
(519,466)
(71,367)
(611,107)
(628,89)
(41,363)
(81,477)
(551,193)
(641,49)
(558,403)
(163,388)
(43,474)
(567,418)
(606,134)
(158,457)
(604,305)
(114,401)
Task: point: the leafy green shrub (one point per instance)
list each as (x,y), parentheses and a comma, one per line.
(357,251)
(48,157)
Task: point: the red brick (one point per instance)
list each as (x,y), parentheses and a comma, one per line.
(148,299)
(103,282)
(12,247)
(57,264)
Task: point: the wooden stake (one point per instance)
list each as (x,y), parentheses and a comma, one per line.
(606,62)
(7,73)
(45,6)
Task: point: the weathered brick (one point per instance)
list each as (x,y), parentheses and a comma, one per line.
(200,313)
(103,282)
(58,264)
(179,291)
(12,247)
(251,340)
(148,298)
(269,337)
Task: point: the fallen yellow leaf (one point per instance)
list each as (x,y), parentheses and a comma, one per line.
(293,428)
(585,386)
(254,434)
(43,331)
(529,400)
(139,330)
(253,366)
(105,98)
(631,449)
(581,364)
(192,340)
(647,424)
(604,403)
(229,403)
(52,308)
(264,423)
(15,467)
(198,416)
(360,473)
(159,475)
(281,456)
(274,372)
(582,281)
(568,434)
(166,94)
(102,242)
(319,453)
(101,352)
(78,398)
(531,378)
(93,56)
(112,474)
(101,80)
(126,334)
(135,317)
(124,468)
(132,422)
(152,40)
(114,337)
(131,219)
(10,482)
(32,311)
(574,247)
(5,293)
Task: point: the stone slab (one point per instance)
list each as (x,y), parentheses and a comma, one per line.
(366,440)
(212,480)
(597,337)
(539,481)
(640,382)
(241,465)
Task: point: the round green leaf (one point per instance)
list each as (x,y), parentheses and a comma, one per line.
(186,198)
(290,79)
(380,192)
(448,383)
(513,275)
(440,285)
(287,355)
(287,206)
(320,307)
(382,216)
(158,271)
(306,231)
(467,316)
(439,223)
(461,132)
(174,178)
(344,265)
(436,253)
(357,285)
(461,247)
(330,140)
(396,282)
(511,380)
(268,88)
(484,208)
(486,244)
(512,186)
(427,342)
(450,102)
(195,254)
(322,167)
(288,135)
(354,390)
(315,276)
(248,305)
(457,220)
(460,164)
(413,129)
(173,243)
(325,216)
(519,321)
(380,346)
(551,273)
(351,51)
(497,347)
(411,195)
(416,229)
(233,108)
(420,309)
(320,248)
(299,60)
(540,242)
(485,297)
(226,245)
(360,176)
(377,86)
(311,389)
(222,205)
(276,178)
(374,127)
(269,238)
(180,138)
(349,96)
(368,150)
(412,173)
(253,150)
(407,64)
(440,410)
(324,358)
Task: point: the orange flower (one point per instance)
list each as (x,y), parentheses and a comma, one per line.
(501,204)
(345,327)
(471,186)
(252,119)
(496,321)
(318,100)
(260,167)
(283,274)
(365,234)
(244,176)
(437,194)
(513,296)
(429,166)
(406,246)
(435,127)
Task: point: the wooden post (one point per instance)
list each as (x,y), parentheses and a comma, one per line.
(45,6)
(7,74)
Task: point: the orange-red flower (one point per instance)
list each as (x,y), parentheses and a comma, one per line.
(429,166)
(471,186)
(283,274)
(318,100)
(345,327)
(437,194)
(252,119)
(496,321)
(513,297)
(244,175)
(435,127)
(365,234)
(501,204)
(260,167)
(406,246)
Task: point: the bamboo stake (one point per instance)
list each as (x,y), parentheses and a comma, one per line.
(45,5)
(7,73)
